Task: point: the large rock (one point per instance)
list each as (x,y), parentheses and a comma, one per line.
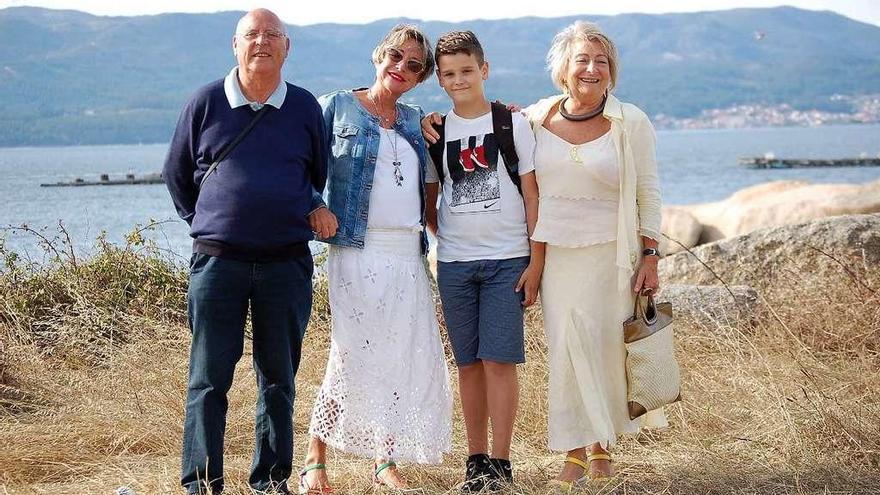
(778,203)
(794,254)
(679,228)
(731,305)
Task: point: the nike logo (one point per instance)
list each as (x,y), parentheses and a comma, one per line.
(486,207)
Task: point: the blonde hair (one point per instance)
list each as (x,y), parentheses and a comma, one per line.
(560,51)
(399,35)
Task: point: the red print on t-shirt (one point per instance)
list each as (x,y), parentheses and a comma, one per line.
(473,155)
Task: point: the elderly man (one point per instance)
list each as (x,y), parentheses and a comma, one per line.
(245,169)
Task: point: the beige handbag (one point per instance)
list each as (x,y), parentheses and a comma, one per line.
(652,375)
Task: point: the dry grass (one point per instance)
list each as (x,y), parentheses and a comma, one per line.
(93,360)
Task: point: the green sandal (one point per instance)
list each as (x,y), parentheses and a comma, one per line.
(304,489)
(380,483)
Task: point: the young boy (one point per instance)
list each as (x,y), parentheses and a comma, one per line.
(488,270)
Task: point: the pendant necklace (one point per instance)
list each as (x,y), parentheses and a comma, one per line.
(385,123)
(398,175)
(580,117)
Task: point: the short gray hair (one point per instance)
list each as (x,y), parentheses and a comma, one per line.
(560,51)
(399,35)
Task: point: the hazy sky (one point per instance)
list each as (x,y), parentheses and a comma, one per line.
(352,11)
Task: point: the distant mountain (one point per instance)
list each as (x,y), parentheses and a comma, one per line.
(68,77)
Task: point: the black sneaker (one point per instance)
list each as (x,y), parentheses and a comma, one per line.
(500,474)
(477,473)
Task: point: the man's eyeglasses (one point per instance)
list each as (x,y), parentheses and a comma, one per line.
(412,65)
(267,35)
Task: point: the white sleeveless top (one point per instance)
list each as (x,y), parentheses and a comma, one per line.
(579,190)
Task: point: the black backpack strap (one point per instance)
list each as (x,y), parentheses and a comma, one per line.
(231,146)
(502,126)
(437,149)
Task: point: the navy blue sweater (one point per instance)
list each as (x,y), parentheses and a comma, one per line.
(259,197)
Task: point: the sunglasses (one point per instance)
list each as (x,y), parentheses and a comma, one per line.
(412,65)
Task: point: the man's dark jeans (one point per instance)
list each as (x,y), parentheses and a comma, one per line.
(280,299)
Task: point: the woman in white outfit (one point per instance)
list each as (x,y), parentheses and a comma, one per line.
(385,394)
(600,217)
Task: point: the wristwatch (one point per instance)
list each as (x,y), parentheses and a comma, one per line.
(651,252)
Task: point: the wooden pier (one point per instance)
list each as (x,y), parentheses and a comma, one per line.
(773,162)
(105,180)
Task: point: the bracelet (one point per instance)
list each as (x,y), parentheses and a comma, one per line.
(651,252)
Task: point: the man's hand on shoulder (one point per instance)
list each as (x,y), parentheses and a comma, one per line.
(323,223)
(428,131)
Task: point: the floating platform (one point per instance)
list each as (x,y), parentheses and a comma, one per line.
(105,180)
(773,162)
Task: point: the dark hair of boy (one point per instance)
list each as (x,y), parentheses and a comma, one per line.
(459,42)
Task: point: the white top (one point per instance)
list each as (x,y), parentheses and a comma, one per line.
(639,202)
(580,189)
(481,213)
(394,199)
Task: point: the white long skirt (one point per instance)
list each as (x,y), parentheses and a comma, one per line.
(584,313)
(386,388)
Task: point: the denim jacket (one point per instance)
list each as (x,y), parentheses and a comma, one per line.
(353,139)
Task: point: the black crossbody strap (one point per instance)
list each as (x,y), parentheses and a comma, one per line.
(437,149)
(231,146)
(502,126)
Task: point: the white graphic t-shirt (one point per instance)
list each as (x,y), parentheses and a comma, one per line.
(481,213)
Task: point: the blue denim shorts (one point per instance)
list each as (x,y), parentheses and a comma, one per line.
(484,316)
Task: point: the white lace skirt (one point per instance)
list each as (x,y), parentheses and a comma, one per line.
(386,388)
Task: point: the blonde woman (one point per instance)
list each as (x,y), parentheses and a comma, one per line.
(599,216)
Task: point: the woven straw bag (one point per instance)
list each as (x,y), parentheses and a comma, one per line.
(652,375)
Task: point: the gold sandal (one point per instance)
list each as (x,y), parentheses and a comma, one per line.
(598,457)
(567,486)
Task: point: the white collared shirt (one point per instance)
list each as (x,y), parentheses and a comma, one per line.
(237,99)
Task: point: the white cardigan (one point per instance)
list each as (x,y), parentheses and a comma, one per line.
(639,209)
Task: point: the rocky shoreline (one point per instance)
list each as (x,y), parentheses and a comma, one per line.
(771,204)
